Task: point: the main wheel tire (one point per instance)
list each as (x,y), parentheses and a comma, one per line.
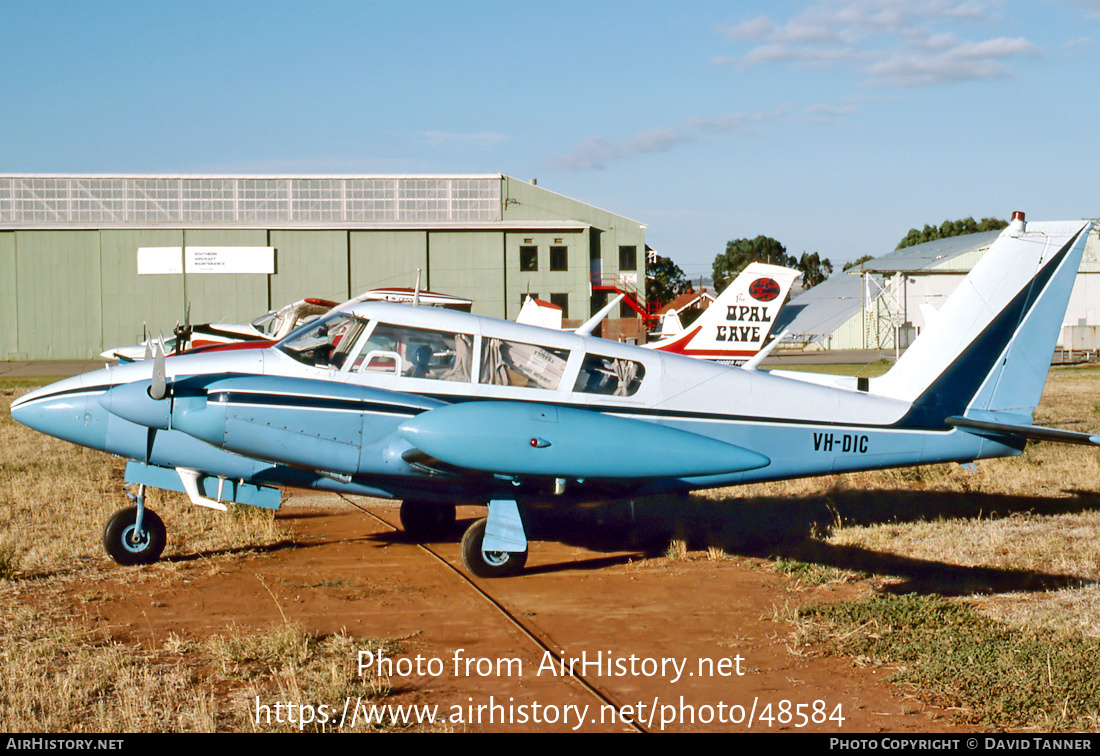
(124,548)
(423,520)
(489,564)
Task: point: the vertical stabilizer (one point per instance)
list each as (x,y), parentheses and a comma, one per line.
(990,345)
(737,324)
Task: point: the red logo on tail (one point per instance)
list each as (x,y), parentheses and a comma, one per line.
(764,289)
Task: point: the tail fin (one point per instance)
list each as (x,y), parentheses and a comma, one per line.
(989,347)
(738,322)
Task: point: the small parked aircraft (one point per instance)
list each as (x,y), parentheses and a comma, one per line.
(269,327)
(736,325)
(436,407)
(274,325)
(732,330)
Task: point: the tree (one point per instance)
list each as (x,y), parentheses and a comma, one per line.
(948,229)
(740,252)
(856,263)
(815,269)
(664,280)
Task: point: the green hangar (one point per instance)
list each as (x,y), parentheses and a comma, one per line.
(232,248)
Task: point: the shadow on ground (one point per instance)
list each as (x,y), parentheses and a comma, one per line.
(794,528)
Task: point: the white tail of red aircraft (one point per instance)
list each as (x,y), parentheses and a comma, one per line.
(540,313)
(736,325)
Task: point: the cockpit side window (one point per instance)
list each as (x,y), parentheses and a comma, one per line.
(513,363)
(416,353)
(327,343)
(610,376)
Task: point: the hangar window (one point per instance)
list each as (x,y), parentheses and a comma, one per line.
(512,363)
(528,258)
(562,301)
(559,258)
(628,258)
(610,376)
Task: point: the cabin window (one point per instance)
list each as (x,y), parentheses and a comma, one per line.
(416,353)
(512,363)
(610,376)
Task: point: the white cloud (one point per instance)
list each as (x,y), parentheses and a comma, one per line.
(829,111)
(888,42)
(596,152)
(963,62)
(451,139)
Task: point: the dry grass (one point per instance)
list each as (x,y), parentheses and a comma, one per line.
(1015,539)
(55,499)
(57,677)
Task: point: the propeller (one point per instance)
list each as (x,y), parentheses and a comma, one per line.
(183,332)
(158,389)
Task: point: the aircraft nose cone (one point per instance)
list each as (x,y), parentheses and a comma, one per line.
(67,410)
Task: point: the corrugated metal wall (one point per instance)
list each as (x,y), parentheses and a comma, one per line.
(72,293)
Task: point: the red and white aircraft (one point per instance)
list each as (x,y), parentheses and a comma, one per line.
(736,325)
(275,325)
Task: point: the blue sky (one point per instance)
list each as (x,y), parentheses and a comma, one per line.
(831,126)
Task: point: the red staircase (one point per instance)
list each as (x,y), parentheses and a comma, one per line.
(631,296)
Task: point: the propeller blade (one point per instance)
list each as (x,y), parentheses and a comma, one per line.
(158,389)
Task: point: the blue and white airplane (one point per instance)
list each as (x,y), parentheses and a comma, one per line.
(435,407)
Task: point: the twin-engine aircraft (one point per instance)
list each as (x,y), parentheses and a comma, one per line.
(435,408)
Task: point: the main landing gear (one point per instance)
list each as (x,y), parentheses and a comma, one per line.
(135,535)
(496,546)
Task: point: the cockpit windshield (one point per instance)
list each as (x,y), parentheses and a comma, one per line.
(267,323)
(326,343)
(278,324)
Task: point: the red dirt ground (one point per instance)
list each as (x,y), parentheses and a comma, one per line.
(348,571)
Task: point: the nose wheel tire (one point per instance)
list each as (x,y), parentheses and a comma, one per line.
(489,564)
(126,545)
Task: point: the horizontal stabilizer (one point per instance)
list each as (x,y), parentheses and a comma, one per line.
(513,438)
(1029,432)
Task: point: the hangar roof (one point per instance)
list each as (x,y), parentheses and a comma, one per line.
(75,201)
(933,255)
(821,310)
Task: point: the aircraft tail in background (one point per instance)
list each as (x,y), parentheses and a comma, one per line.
(737,324)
